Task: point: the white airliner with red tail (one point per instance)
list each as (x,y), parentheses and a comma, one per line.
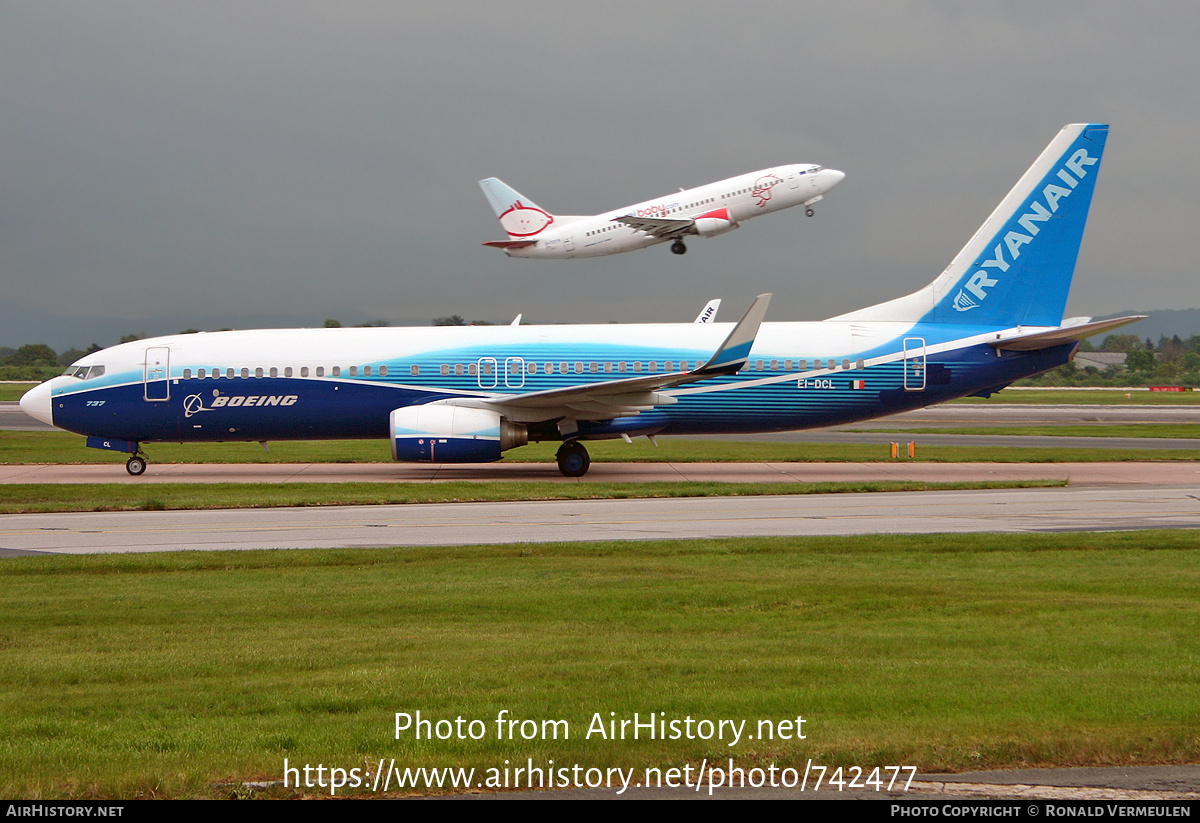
(705,212)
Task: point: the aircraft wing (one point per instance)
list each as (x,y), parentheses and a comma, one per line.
(1056,337)
(616,398)
(659,226)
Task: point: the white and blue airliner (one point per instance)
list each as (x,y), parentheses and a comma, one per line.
(467,394)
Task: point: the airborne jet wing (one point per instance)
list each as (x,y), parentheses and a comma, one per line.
(614,398)
(659,226)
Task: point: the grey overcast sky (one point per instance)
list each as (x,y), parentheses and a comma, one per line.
(210,162)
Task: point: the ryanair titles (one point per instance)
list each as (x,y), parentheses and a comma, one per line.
(976,289)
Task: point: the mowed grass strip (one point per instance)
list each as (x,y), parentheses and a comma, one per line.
(175,675)
(100,497)
(62,448)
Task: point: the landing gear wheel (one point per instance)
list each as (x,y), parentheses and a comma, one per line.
(678,247)
(135,465)
(573,459)
(809,212)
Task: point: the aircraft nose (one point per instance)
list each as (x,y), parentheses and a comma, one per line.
(835,176)
(37,404)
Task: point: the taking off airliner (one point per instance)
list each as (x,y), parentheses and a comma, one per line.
(455,394)
(705,211)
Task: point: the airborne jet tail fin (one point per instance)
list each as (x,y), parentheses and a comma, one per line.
(518,215)
(1017,268)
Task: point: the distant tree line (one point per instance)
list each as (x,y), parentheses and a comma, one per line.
(1170,362)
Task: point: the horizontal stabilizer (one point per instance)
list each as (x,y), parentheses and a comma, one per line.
(510,244)
(1057,337)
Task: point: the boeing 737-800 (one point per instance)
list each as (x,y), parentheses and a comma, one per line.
(466,394)
(705,211)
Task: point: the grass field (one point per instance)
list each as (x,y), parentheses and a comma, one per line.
(176,675)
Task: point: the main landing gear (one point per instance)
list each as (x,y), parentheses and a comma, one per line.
(678,247)
(573,459)
(136,465)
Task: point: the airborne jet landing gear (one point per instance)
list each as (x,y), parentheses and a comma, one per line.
(809,212)
(573,459)
(678,247)
(136,465)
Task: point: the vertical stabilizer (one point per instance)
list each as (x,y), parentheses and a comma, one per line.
(518,215)
(1017,268)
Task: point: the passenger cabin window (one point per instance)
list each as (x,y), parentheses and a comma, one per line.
(336,371)
(415,370)
(383,371)
(320,371)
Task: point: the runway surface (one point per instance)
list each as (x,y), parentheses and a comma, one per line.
(999,511)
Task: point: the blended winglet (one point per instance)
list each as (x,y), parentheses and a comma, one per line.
(735,351)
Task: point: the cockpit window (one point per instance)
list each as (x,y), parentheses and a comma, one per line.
(84,372)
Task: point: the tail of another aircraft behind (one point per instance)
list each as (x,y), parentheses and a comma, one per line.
(1017,269)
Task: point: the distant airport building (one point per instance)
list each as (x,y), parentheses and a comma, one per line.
(1101,360)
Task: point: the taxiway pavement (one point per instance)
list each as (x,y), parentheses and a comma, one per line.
(435,524)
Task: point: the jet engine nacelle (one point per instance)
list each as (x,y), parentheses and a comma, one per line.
(452,434)
(712,226)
